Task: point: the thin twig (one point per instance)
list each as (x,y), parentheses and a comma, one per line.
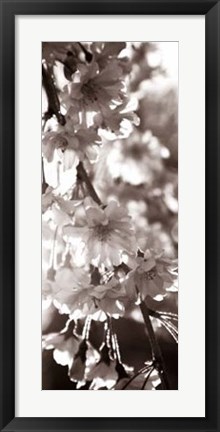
(156,314)
(147,378)
(168,314)
(144,369)
(53,100)
(82,174)
(167,317)
(169,324)
(88,55)
(170,331)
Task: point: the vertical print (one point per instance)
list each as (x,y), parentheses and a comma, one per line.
(109,215)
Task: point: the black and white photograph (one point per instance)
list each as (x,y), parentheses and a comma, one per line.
(109,215)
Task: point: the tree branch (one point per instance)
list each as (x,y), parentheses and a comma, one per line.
(54,109)
(156,351)
(82,175)
(53,100)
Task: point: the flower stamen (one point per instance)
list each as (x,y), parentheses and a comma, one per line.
(151,274)
(102,232)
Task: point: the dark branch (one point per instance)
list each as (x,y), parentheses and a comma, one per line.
(83,176)
(156,352)
(53,100)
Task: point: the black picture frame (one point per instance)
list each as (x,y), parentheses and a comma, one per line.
(9,9)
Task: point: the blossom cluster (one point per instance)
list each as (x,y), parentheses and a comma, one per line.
(95,266)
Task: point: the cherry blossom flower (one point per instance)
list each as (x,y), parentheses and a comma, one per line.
(73,145)
(77,370)
(72,351)
(53,51)
(65,347)
(152,276)
(118,120)
(59,212)
(73,294)
(53,244)
(56,176)
(78,303)
(51,196)
(104,373)
(108,234)
(70,290)
(92,89)
(84,360)
(107,370)
(105,52)
(109,297)
(68,284)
